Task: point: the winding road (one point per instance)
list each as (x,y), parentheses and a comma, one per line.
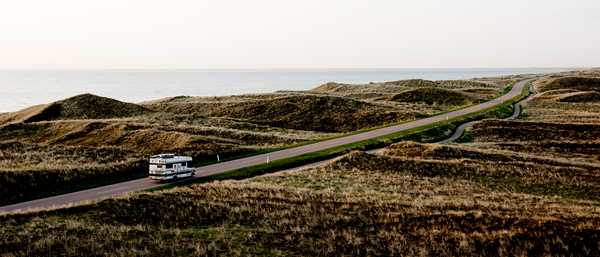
(460,130)
(117,189)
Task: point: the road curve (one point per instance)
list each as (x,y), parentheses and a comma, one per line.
(145,183)
(519,105)
(517,108)
(460,130)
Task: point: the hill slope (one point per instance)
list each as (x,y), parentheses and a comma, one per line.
(578,83)
(398,86)
(431,95)
(581,97)
(22,115)
(304,112)
(86,106)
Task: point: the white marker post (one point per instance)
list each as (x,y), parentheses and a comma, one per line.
(267,159)
(218,159)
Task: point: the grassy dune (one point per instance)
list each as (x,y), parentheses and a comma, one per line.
(29,171)
(568,82)
(438,96)
(304,112)
(418,95)
(85,106)
(335,107)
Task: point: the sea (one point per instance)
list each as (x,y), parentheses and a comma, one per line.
(23,88)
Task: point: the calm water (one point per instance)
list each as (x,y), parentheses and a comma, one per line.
(20,89)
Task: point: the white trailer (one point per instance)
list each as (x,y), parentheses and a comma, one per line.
(170,166)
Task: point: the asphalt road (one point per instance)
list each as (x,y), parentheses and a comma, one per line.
(104,192)
(519,105)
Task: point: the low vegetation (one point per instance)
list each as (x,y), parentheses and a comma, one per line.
(438,96)
(412,199)
(296,111)
(562,133)
(202,127)
(29,171)
(84,106)
(568,82)
(422,96)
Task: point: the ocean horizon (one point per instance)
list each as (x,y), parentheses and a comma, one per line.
(24,88)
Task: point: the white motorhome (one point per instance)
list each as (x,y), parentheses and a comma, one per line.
(170,166)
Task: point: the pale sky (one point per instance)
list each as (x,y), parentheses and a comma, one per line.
(140,34)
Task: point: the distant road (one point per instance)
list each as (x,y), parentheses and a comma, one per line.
(145,183)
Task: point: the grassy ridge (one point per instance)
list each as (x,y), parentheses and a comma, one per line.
(25,185)
(29,171)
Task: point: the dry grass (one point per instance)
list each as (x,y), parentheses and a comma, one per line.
(438,96)
(421,97)
(526,187)
(502,131)
(401,85)
(53,156)
(559,112)
(29,171)
(198,126)
(564,133)
(86,106)
(567,100)
(581,97)
(304,112)
(359,204)
(375,92)
(22,115)
(560,82)
(563,115)
(148,138)
(61,156)
(15,156)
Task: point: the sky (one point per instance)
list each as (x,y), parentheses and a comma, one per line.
(265,34)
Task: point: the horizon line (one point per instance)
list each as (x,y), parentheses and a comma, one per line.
(292,69)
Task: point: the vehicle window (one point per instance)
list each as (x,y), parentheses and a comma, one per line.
(169,166)
(184,163)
